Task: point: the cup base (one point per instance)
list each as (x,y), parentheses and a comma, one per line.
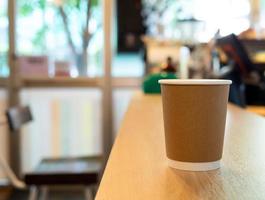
(191,166)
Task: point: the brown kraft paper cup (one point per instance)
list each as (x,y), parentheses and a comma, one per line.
(194,120)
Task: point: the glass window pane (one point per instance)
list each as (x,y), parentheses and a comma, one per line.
(128,65)
(193,20)
(4,71)
(262,14)
(127,32)
(66,33)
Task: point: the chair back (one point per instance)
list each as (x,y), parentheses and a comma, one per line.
(18,116)
(235,51)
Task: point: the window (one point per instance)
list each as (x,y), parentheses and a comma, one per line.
(230,16)
(196,19)
(262,14)
(68,33)
(3,39)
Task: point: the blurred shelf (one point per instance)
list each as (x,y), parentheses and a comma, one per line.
(117,82)
(79,82)
(61,82)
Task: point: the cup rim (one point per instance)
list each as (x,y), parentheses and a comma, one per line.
(195,82)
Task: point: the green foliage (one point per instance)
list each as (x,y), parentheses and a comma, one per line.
(95,2)
(42,4)
(78,3)
(71,7)
(39,40)
(26,7)
(73,3)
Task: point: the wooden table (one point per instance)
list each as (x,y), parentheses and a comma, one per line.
(137,167)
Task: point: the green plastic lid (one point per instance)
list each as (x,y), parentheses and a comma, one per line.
(151,85)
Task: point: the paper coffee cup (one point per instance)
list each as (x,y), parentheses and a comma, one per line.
(194,121)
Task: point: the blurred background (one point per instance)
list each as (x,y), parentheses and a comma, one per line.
(54,56)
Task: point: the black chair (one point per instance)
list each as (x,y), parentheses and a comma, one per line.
(242,73)
(84,171)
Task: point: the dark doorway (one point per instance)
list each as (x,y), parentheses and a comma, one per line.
(130,25)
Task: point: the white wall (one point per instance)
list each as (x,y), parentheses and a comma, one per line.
(66,122)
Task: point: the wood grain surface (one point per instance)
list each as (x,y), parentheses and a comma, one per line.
(137,167)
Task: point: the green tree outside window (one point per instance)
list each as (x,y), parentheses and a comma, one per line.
(73,21)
